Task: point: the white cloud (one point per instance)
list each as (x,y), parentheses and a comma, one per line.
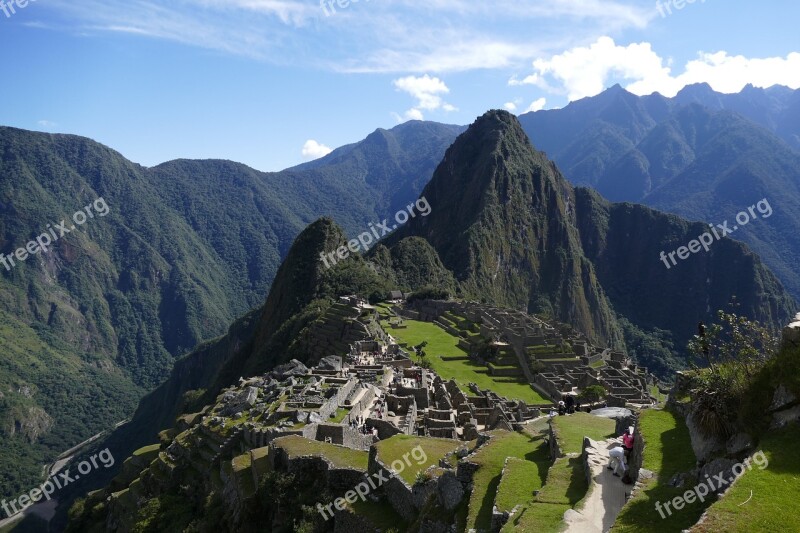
(587,70)
(426,90)
(46,124)
(414,114)
(510,106)
(536,105)
(314,150)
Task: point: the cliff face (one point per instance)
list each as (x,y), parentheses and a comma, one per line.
(624,242)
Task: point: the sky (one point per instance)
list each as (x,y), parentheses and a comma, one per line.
(274,83)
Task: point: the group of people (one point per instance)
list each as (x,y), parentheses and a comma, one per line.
(568,404)
(360,424)
(619,455)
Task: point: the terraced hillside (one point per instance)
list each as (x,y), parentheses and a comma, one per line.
(448,350)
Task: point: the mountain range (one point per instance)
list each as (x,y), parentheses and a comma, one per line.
(504,227)
(189,246)
(702,155)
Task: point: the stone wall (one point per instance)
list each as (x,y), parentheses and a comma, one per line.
(338,434)
(385,428)
(398,493)
(420,395)
(637,455)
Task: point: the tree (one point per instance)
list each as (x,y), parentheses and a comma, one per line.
(734,352)
(737,346)
(592,393)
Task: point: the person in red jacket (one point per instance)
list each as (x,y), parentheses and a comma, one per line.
(627,441)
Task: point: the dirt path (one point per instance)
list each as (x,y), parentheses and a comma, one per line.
(606,494)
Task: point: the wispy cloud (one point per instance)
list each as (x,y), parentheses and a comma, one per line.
(398,36)
(426,90)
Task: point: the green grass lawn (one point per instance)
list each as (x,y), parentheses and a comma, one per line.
(774,491)
(441,343)
(393,449)
(492,458)
(571,429)
(341,457)
(565,484)
(668,451)
(520,479)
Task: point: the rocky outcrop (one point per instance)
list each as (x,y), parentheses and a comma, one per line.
(29,422)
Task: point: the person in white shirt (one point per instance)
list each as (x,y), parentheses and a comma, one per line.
(616,460)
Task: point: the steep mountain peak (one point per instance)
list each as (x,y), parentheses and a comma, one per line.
(501,221)
(484,168)
(300,275)
(700,93)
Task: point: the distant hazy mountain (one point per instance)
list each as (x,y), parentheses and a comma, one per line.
(703,155)
(186,247)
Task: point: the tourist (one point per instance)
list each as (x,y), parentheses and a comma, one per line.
(570,402)
(616,459)
(627,441)
(562,408)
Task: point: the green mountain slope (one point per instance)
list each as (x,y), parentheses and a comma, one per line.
(184,249)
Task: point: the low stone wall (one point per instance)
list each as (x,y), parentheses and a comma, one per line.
(338,434)
(398,493)
(555,448)
(637,455)
(385,428)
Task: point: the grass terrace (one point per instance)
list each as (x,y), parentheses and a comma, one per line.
(519,487)
(570,430)
(442,347)
(566,484)
(393,449)
(517,484)
(768,493)
(668,451)
(341,457)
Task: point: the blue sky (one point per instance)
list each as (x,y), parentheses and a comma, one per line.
(273,83)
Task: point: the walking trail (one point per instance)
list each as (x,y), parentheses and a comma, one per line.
(606,495)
